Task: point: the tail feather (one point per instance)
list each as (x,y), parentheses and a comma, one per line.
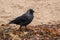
(11,22)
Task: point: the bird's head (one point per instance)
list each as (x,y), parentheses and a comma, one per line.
(31,11)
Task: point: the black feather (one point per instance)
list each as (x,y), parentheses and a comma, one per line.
(25,19)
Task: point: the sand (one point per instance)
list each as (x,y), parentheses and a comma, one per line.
(45,10)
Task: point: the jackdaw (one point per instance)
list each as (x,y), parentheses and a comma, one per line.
(24,19)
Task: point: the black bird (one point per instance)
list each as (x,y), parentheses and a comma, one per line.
(25,19)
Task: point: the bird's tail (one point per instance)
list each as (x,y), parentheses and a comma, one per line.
(10,22)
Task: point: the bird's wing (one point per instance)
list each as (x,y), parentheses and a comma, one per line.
(20,19)
(23,18)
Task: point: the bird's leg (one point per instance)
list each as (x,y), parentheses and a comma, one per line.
(20,28)
(25,27)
